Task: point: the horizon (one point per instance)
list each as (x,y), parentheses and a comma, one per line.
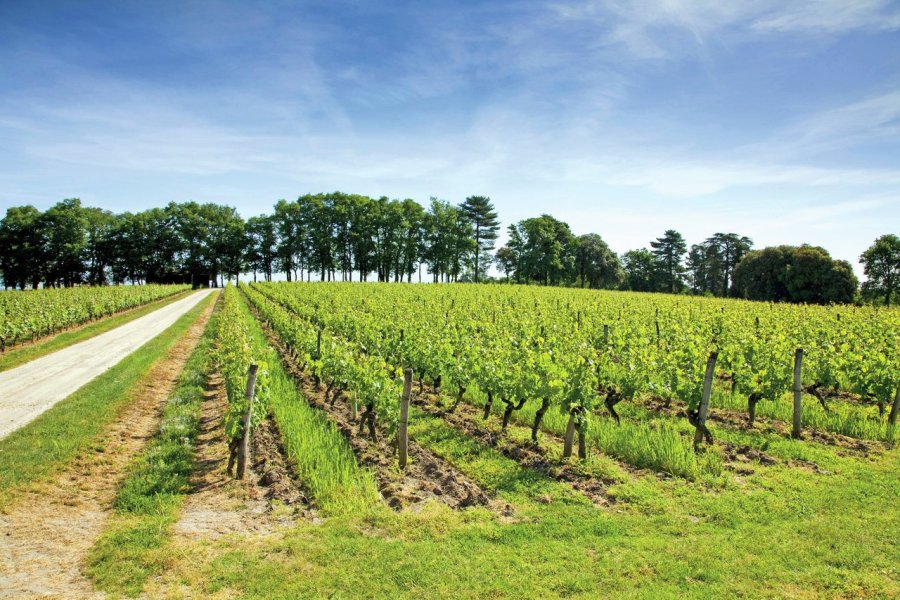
(777,121)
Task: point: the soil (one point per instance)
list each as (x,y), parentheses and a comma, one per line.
(467,419)
(47,533)
(268,500)
(426,477)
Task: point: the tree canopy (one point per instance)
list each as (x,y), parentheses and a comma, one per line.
(795,274)
(881,264)
(331,236)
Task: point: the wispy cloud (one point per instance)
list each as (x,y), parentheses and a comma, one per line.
(655,29)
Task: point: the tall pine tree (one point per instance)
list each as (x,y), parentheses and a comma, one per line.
(481,213)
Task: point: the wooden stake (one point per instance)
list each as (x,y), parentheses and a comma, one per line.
(570,436)
(244,448)
(703,411)
(403,431)
(798,393)
(892,417)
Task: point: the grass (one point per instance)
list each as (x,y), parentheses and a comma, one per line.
(19,355)
(44,446)
(847,418)
(150,498)
(132,549)
(660,444)
(777,531)
(781,531)
(324,460)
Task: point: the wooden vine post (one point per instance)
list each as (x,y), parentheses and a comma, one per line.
(244,448)
(798,393)
(892,417)
(403,431)
(605,335)
(570,435)
(703,410)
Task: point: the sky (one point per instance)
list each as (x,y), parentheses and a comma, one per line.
(775,119)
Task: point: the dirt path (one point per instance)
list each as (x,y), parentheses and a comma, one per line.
(218,504)
(45,536)
(29,390)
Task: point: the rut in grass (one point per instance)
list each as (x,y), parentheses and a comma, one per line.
(268,500)
(49,531)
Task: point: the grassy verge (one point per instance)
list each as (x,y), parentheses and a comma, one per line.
(47,444)
(149,501)
(19,355)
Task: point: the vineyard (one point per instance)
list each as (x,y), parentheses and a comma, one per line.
(28,316)
(499,441)
(599,365)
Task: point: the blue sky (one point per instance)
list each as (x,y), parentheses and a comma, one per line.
(775,119)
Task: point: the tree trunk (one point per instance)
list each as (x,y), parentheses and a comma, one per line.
(510,407)
(487,405)
(402,432)
(613,398)
(459,398)
(538,417)
(751,408)
(243,454)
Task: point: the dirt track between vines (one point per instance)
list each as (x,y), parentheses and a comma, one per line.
(46,534)
(29,390)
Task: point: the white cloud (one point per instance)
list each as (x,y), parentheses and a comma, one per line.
(645,27)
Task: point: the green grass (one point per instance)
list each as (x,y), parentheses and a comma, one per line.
(44,446)
(150,498)
(324,460)
(19,355)
(847,418)
(660,444)
(776,531)
(781,531)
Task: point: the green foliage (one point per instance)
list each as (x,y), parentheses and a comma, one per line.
(787,273)
(669,251)
(234,353)
(37,313)
(526,343)
(881,262)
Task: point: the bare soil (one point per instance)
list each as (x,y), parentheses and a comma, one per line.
(48,532)
(268,500)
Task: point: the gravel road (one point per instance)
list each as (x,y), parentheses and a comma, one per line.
(29,390)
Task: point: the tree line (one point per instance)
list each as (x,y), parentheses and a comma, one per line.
(339,236)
